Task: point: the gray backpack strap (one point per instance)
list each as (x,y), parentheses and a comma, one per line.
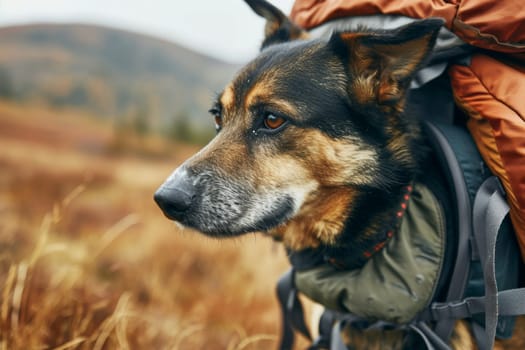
(490,209)
(291,311)
(510,303)
(461,269)
(336,341)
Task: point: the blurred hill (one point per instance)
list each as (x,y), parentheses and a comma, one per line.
(135,79)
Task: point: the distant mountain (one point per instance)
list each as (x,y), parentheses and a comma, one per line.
(110,72)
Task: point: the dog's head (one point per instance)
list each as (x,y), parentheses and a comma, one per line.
(301,131)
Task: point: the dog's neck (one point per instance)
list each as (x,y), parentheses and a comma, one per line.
(369,227)
(349,225)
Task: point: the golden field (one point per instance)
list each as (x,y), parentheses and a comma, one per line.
(87,260)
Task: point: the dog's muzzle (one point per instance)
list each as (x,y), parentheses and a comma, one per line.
(175,196)
(219,207)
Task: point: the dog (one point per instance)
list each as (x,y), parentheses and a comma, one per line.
(313,146)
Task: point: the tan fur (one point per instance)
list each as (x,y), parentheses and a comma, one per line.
(398,141)
(363,88)
(388,91)
(296,33)
(227,98)
(461,337)
(320,220)
(261,90)
(321,167)
(402,65)
(337,162)
(303,35)
(372,81)
(364,85)
(224,153)
(378,339)
(283,171)
(271,27)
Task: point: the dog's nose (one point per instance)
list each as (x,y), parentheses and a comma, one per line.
(175,196)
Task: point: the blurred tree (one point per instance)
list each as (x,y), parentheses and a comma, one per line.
(6,84)
(140,121)
(185,130)
(181,129)
(79,96)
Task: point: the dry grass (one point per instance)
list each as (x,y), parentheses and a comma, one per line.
(88,262)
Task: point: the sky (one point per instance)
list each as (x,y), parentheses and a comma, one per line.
(227,29)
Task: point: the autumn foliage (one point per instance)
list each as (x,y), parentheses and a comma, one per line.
(87,261)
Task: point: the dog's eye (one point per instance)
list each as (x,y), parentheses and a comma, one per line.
(273,122)
(216,113)
(218,121)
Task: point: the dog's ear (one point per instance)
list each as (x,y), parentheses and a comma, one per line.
(381,65)
(279,28)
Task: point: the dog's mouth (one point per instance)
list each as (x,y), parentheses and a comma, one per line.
(265,217)
(221,224)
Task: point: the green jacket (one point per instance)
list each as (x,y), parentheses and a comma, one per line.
(398,281)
